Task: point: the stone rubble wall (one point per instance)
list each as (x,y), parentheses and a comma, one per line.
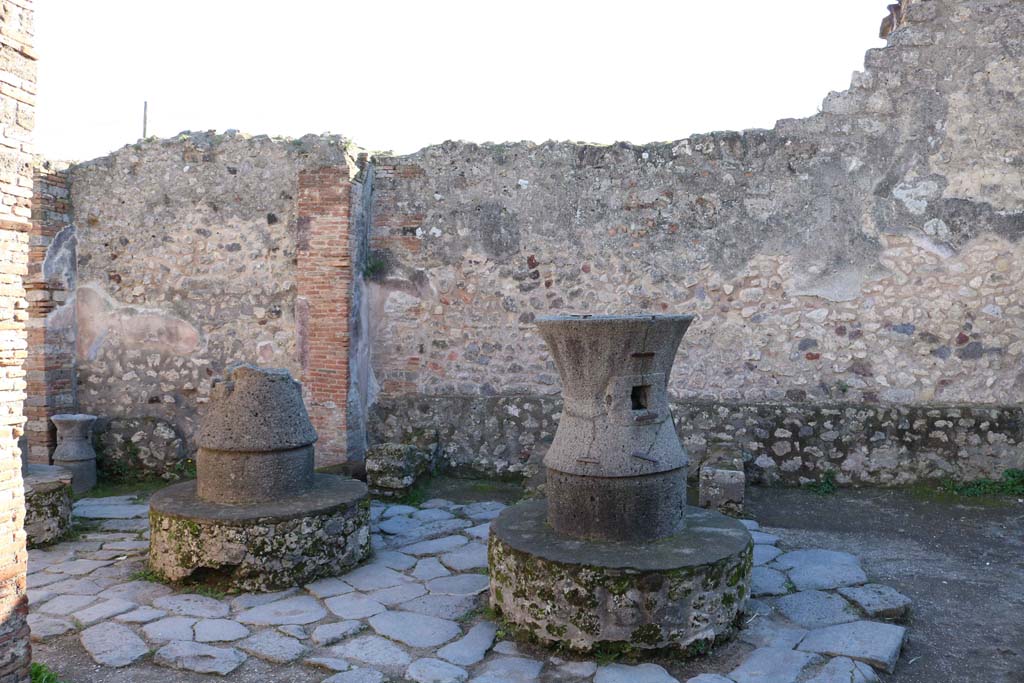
(17,119)
(869,255)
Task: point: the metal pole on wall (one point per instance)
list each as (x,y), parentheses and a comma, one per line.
(145,113)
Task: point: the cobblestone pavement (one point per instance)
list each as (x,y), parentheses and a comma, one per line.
(414,613)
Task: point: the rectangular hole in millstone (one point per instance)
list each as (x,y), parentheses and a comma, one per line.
(640,396)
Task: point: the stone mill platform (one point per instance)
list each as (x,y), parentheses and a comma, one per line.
(681,592)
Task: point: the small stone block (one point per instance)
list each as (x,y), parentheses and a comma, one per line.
(872,642)
(773,665)
(878,601)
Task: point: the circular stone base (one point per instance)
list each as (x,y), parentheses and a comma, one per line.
(683,592)
(47,503)
(261,547)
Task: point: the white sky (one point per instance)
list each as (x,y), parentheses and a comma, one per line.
(399,75)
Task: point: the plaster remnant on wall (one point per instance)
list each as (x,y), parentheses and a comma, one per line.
(101,319)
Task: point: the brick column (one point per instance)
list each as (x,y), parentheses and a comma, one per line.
(324,283)
(17,96)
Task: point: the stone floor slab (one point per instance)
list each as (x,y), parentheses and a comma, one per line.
(807,556)
(107,511)
(641,673)
(826,576)
(844,670)
(374,576)
(328,588)
(771,633)
(113,644)
(354,606)
(815,609)
(415,630)
(871,642)
(357,675)
(218,631)
(398,594)
(329,634)
(170,629)
(878,601)
(204,659)
(373,650)
(765,581)
(460,584)
(65,605)
(764,554)
(142,615)
(192,605)
(441,606)
(773,665)
(472,647)
(509,670)
(299,609)
(102,611)
(429,670)
(435,546)
(429,568)
(470,556)
(45,628)
(273,647)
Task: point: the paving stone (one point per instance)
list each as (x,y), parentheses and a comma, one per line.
(378,544)
(106,555)
(429,568)
(293,631)
(395,560)
(815,609)
(434,546)
(472,647)
(430,531)
(125,525)
(578,669)
(170,628)
(709,678)
(65,605)
(429,670)
(77,567)
(773,665)
(765,581)
(766,539)
(844,670)
(399,525)
(104,511)
(415,630)
(329,634)
(373,650)
(871,642)
(299,609)
(250,600)
(219,631)
(354,606)
(763,554)
(487,510)
(470,556)
(642,673)
(826,576)
(394,510)
(329,663)
(192,605)
(113,644)
(204,659)
(797,558)
(441,606)
(79,587)
(273,647)
(750,524)
(106,500)
(398,594)
(328,588)
(140,592)
(357,675)
(102,611)
(460,584)
(44,628)
(480,530)
(128,546)
(770,633)
(509,670)
(142,615)
(432,515)
(878,601)
(37,596)
(41,579)
(436,503)
(506,647)
(374,576)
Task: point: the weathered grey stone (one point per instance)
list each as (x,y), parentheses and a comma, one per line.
(763,632)
(374,576)
(142,615)
(113,644)
(441,606)
(641,673)
(470,556)
(329,663)
(509,670)
(751,524)
(392,559)
(141,592)
(867,641)
(77,567)
(392,469)
(480,530)
(415,630)
(273,647)
(844,670)
(429,568)
(435,503)
(484,510)
(375,651)
(47,503)
(218,631)
(329,634)
(710,678)
(102,611)
(761,537)
(354,606)
(329,587)
(293,631)
(460,584)
(472,647)
(44,628)
(65,605)
(826,576)
(357,675)
(108,511)
(192,605)
(80,587)
(300,609)
(429,670)
(170,628)
(878,601)
(765,581)
(398,594)
(204,659)
(399,525)
(427,531)
(431,514)
(814,556)
(773,665)
(434,546)
(247,600)
(578,669)
(814,609)
(395,510)
(764,554)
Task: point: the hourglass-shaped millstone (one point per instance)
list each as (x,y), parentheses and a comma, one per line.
(74,449)
(616,469)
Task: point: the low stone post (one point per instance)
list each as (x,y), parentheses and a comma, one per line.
(74,450)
